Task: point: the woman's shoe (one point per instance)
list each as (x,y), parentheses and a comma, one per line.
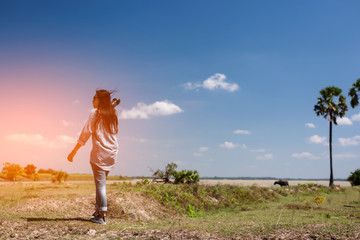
(96,213)
(98,219)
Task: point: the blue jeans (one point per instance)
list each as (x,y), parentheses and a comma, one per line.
(100,183)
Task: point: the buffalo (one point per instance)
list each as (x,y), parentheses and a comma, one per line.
(282,182)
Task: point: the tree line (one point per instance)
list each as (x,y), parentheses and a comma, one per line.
(12,172)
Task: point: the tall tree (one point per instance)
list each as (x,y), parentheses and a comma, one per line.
(30,169)
(11,171)
(354,94)
(331,104)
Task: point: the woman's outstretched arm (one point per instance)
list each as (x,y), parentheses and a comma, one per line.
(73,152)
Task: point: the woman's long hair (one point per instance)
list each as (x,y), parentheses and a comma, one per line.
(106,112)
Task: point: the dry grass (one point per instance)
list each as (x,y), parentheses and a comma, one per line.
(53,211)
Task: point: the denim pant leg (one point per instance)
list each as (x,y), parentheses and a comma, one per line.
(100,183)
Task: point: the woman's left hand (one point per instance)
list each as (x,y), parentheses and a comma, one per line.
(71,156)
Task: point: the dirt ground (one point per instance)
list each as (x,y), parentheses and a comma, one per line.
(66,216)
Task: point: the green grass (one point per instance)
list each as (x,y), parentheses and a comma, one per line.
(221,210)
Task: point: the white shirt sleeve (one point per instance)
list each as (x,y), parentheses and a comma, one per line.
(87,130)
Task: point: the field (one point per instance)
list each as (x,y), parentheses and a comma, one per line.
(211,210)
(44,177)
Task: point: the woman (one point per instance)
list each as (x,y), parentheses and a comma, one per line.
(102,125)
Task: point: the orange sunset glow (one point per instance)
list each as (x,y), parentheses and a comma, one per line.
(42,115)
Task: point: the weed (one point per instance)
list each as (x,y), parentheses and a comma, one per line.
(191,212)
(318,200)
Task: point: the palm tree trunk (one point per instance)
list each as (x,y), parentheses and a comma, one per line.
(331,183)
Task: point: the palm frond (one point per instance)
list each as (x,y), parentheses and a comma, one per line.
(328,107)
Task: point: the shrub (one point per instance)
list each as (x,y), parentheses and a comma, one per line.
(354,178)
(46,171)
(36,177)
(169,175)
(318,200)
(186,176)
(59,176)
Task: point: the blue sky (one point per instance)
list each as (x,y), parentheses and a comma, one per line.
(190,75)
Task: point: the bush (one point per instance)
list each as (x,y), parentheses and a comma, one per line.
(166,175)
(51,171)
(60,176)
(354,178)
(36,177)
(186,176)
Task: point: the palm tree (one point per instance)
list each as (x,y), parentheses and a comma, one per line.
(330,109)
(353,93)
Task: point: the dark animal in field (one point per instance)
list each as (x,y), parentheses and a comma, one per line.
(282,182)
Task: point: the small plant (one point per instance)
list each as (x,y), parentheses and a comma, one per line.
(191,212)
(318,200)
(354,178)
(310,185)
(143,182)
(60,176)
(36,177)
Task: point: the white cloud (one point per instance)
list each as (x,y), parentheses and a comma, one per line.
(259,150)
(267,156)
(306,155)
(310,125)
(200,151)
(317,139)
(143,111)
(356,117)
(246,132)
(217,81)
(228,145)
(134,139)
(353,141)
(39,140)
(197,154)
(244,146)
(66,139)
(25,138)
(203,149)
(180,163)
(344,121)
(345,155)
(65,123)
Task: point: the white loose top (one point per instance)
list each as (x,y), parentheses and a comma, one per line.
(104,145)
